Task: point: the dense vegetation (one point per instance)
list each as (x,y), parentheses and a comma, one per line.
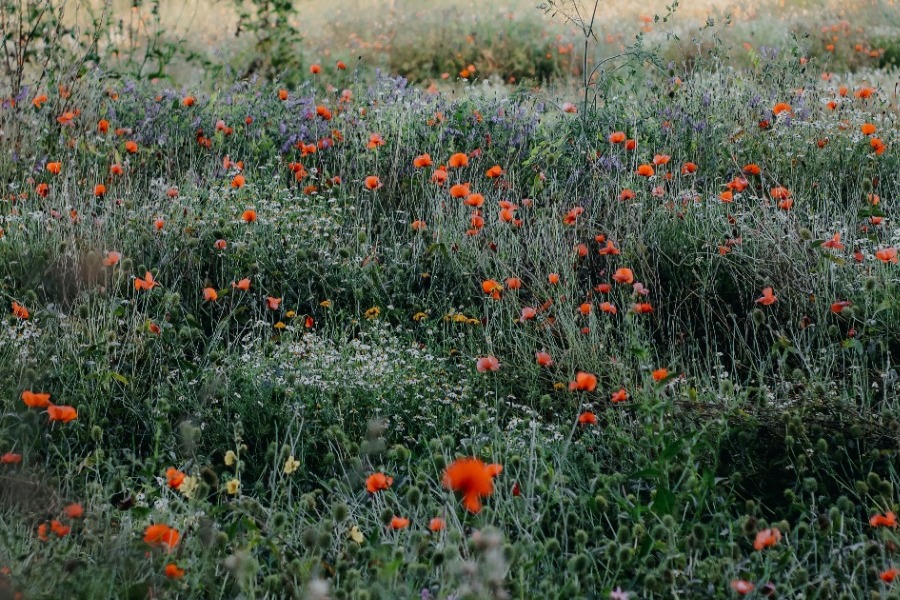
(253,332)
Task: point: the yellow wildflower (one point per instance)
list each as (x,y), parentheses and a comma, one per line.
(356,535)
(420,316)
(188,486)
(233,486)
(291,465)
(230,458)
(373,313)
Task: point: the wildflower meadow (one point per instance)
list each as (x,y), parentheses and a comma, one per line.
(380,299)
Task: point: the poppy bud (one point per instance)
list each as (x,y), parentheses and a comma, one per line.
(759,317)
(805,234)
(413,496)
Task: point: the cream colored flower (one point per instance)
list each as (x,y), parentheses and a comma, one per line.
(230,458)
(188,486)
(233,486)
(291,465)
(356,535)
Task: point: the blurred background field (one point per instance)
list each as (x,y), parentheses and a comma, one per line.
(511,41)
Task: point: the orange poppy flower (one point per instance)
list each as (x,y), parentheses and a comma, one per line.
(888,519)
(112,258)
(645,171)
(617,137)
(39,100)
(528,313)
(752,169)
(42,532)
(543,358)
(62,414)
(587,418)
(418,225)
(889,575)
(609,308)
(131,146)
(422,161)
(399,523)
(377,482)
(620,396)
(585,309)
(766,538)
(472,478)
(173,572)
(623,275)
(238,181)
(877,145)
(341,65)
(553,278)
(458,160)
(630,144)
(864,93)
(439,176)
(59,529)
(742,586)
(781,107)
(65,118)
(767,297)
(375,141)
(210,294)
(174,477)
(834,243)
(103,126)
(494,172)
(867,128)
(585,382)
(161,535)
(487,363)
(99,190)
(147,283)
(436,524)
(188,101)
(158,224)
(54,167)
(249,216)
(513,283)
(272,303)
(726,196)
(838,307)
(35,399)
(116,169)
(74,510)
(661,159)
(154,328)
(20,312)
(373,183)
(460,190)
(10,458)
(243,284)
(315,69)
(282,95)
(474,200)
(42,190)
(627,194)
(660,374)
(642,308)
(688,168)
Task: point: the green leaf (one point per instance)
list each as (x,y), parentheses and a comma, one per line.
(663,501)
